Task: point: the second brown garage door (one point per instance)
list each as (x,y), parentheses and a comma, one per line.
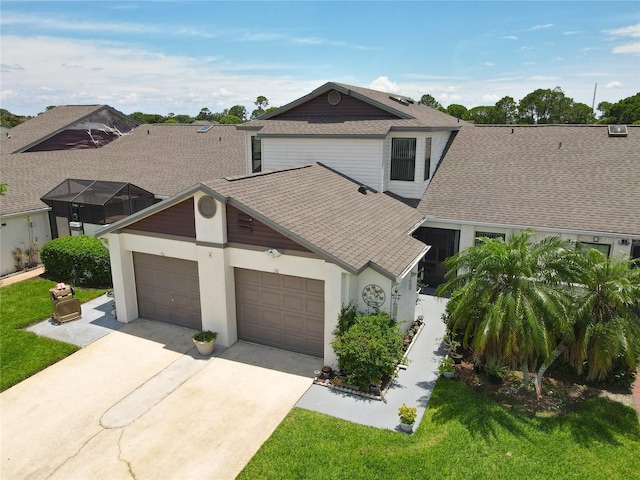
(281,311)
(168,290)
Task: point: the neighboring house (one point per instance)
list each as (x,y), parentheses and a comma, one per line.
(269,257)
(581,182)
(385,141)
(162,159)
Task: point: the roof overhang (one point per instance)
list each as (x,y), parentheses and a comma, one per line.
(572,231)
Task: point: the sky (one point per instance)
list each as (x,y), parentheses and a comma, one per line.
(179,57)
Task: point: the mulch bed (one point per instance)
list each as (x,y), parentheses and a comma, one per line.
(561,393)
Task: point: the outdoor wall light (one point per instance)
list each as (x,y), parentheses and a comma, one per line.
(273,252)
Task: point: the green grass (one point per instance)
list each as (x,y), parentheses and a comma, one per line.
(24,353)
(462,435)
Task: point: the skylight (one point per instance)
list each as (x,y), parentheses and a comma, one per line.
(205,128)
(617,130)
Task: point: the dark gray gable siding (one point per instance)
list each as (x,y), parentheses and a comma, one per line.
(348,107)
(177,220)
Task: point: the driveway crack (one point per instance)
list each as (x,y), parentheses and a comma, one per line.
(133,475)
(75,454)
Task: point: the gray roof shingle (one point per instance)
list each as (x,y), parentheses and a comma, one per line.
(166,160)
(555,176)
(325,210)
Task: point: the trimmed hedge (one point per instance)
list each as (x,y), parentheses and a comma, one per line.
(79,260)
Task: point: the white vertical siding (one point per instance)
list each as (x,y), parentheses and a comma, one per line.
(416,188)
(360,159)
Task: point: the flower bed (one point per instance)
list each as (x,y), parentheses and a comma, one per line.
(330,378)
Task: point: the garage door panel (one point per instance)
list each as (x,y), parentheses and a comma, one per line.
(249,294)
(289,313)
(293,283)
(168,290)
(271,298)
(315,306)
(269,279)
(294,302)
(315,286)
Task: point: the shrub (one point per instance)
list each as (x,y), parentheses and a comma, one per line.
(79,260)
(407,414)
(347,317)
(205,336)
(369,350)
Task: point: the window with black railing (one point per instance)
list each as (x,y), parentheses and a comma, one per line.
(403,159)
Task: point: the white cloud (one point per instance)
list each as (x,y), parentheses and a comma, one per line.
(632,48)
(489,64)
(613,84)
(540,27)
(510,37)
(543,78)
(630,31)
(490,98)
(590,49)
(4,94)
(572,32)
(384,84)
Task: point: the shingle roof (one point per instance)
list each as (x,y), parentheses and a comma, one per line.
(46,124)
(554,176)
(164,161)
(325,210)
(410,116)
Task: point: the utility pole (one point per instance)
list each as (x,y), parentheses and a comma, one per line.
(593,104)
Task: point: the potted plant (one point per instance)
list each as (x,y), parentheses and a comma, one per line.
(447,368)
(407,417)
(452,347)
(205,341)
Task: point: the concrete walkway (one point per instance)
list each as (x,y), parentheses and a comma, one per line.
(412,386)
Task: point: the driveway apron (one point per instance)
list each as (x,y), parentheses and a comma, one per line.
(141,403)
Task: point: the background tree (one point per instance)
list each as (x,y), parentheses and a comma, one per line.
(481,115)
(238,111)
(456,110)
(625,111)
(147,117)
(506,110)
(429,101)
(230,119)
(8,119)
(3,188)
(261,103)
(205,114)
(545,106)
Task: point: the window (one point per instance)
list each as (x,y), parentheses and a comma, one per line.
(586,246)
(256,155)
(403,159)
(480,235)
(427,158)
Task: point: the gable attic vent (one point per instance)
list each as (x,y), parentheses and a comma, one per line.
(334,97)
(617,130)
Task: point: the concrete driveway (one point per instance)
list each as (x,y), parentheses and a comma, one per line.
(141,403)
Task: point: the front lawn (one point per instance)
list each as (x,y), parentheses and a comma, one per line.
(24,353)
(463,435)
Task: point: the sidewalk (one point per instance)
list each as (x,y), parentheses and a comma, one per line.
(412,386)
(18,277)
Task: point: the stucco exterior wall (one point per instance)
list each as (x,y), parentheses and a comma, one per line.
(14,233)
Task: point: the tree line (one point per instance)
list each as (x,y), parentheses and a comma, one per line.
(234,115)
(543,106)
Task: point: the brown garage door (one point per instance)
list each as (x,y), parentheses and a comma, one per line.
(280,310)
(168,290)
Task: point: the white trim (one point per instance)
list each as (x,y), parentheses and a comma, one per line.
(25,212)
(432,219)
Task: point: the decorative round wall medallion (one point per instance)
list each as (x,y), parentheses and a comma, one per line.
(334,97)
(373,295)
(207,206)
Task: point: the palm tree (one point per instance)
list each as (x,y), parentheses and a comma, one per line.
(509,299)
(606,313)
